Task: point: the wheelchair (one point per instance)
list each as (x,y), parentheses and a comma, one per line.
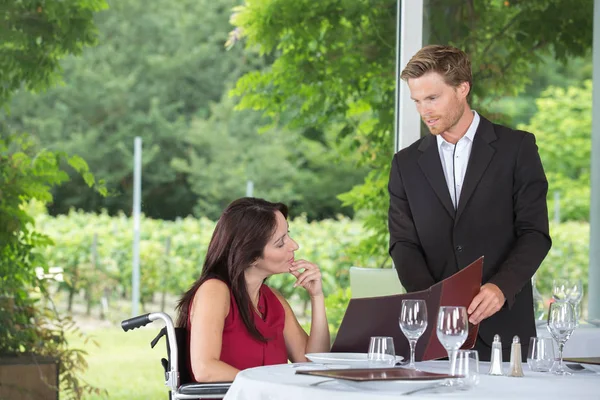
(177,375)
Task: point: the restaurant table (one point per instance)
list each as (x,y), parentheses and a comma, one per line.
(282,382)
(584,342)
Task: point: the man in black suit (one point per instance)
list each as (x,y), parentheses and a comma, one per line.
(471,188)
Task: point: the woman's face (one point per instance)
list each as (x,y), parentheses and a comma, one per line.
(278,254)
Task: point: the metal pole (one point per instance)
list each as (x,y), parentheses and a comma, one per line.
(137,200)
(409,40)
(557,207)
(249,188)
(398,80)
(594,267)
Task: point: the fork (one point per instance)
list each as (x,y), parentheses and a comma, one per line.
(323,381)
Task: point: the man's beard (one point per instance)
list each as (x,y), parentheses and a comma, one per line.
(446,122)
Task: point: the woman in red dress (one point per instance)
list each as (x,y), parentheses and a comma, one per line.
(234,320)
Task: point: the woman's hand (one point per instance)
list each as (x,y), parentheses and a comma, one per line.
(309,279)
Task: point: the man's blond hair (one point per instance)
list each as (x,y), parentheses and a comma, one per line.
(451,63)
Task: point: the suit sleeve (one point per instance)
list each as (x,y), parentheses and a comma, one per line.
(530,222)
(405,248)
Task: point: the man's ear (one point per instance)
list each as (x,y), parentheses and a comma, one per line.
(463,89)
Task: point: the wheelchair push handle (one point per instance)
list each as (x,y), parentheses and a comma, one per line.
(136,322)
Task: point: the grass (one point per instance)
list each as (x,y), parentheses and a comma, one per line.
(124,364)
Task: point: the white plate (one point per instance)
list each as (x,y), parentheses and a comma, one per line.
(354,359)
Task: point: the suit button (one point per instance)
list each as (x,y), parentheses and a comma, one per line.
(458,249)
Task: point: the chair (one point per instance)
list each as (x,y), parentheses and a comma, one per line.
(177,376)
(374,282)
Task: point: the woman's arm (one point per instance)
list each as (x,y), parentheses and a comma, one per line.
(208,312)
(297,342)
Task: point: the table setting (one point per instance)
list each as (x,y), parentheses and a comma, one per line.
(380,372)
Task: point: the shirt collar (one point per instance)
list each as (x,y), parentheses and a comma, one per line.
(470,134)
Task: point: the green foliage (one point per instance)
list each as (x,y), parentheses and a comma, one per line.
(550,72)
(563,127)
(27,322)
(226,151)
(37,35)
(301,170)
(159,72)
(334,66)
(568,257)
(157,65)
(336,305)
(323,242)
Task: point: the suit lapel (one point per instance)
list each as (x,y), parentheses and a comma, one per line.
(431,165)
(481,155)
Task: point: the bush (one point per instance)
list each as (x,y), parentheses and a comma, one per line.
(568,257)
(325,243)
(108,264)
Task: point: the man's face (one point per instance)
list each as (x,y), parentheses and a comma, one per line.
(440,105)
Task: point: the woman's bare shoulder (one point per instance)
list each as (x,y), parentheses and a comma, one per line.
(214,286)
(211,293)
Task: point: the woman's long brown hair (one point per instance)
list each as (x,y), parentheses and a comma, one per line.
(238,240)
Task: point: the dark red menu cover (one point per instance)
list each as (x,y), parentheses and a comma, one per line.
(378,374)
(379,316)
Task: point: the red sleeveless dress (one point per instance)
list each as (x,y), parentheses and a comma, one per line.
(239,349)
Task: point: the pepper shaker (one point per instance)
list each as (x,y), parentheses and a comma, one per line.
(516,368)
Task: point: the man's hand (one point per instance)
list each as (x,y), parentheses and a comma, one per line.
(487,303)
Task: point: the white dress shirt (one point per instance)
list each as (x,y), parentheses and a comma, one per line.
(455,159)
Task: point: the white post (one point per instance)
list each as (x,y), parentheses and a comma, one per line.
(409,40)
(249,188)
(594,267)
(137,200)
(557,207)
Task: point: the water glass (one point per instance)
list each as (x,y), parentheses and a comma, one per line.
(561,323)
(413,322)
(381,352)
(540,356)
(466,364)
(452,330)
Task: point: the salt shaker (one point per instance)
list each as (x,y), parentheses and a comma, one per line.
(496,360)
(516,369)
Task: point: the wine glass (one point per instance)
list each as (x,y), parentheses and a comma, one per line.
(452,330)
(568,290)
(538,302)
(561,323)
(413,322)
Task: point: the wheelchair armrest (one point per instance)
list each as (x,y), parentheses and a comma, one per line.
(204,389)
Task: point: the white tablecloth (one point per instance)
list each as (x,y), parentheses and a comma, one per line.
(584,342)
(281,382)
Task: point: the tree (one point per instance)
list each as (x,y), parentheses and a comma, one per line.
(158,65)
(550,72)
(226,150)
(563,127)
(37,35)
(34,37)
(334,66)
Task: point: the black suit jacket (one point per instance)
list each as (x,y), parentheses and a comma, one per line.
(502,215)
